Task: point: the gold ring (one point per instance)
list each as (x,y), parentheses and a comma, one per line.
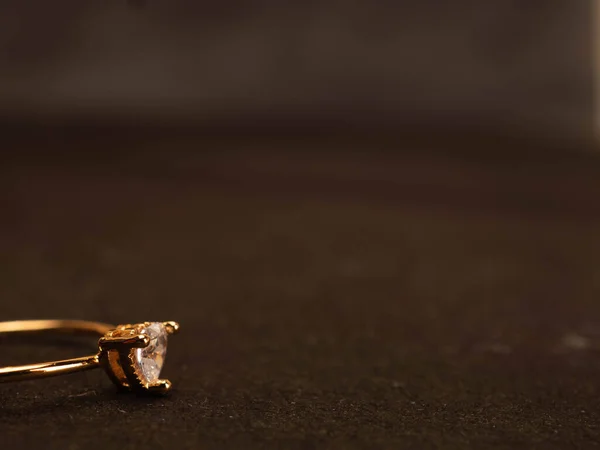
(131,355)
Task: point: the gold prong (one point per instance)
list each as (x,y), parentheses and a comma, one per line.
(111,361)
(160,387)
(115,342)
(171,327)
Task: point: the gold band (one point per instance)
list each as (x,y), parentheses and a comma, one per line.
(132,355)
(54,368)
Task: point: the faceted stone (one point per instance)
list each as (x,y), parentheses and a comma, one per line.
(149,360)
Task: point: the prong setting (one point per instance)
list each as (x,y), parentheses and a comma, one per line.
(160,387)
(171,327)
(133,356)
(116,342)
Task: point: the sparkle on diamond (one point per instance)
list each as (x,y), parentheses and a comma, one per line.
(149,360)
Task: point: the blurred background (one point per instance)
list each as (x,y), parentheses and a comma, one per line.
(504,66)
(376,221)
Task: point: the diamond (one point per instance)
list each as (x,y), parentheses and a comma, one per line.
(148,361)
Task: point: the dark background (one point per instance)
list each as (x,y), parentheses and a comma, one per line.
(503,64)
(377,225)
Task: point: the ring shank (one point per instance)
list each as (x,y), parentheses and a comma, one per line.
(63,326)
(53,368)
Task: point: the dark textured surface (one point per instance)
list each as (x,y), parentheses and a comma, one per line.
(348,299)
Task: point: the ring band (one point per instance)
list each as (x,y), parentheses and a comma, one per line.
(132,355)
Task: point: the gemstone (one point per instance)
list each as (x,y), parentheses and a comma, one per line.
(149,360)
